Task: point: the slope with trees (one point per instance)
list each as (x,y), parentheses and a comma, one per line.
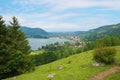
(94,34)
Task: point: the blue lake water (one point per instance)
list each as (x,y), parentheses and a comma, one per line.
(36,43)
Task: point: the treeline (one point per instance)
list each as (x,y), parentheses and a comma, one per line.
(39,36)
(14,50)
(105,41)
(57,51)
(104,52)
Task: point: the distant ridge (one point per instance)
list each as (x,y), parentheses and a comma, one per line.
(34,32)
(111,30)
(91,35)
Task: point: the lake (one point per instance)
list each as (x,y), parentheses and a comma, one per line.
(36,43)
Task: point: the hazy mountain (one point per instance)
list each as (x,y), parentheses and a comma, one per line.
(91,35)
(111,30)
(35,32)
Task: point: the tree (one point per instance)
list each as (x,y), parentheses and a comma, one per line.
(115,41)
(49,56)
(14,50)
(18,37)
(5,49)
(104,55)
(107,41)
(21,48)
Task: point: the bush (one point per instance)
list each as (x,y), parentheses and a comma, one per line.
(104,55)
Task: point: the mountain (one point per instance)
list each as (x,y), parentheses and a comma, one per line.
(79,32)
(91,35)
(111,30)
(35,32)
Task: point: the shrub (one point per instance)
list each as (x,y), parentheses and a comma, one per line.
(104,55)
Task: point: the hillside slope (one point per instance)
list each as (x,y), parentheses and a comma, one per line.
(111,30)
(34,32)
(76,67)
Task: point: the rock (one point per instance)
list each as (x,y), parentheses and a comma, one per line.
(51,76)
(14,78)
(60,67)
(98,64)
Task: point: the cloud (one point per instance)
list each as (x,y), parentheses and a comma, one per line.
(30,20)
(24,2)
(110,4)
(59,17)
(60,5)
(63,16)
(52,26)
(95,22)
(53,23)
(23,16)
(67,4)
(8,17)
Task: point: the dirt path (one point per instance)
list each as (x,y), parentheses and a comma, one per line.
(103,74)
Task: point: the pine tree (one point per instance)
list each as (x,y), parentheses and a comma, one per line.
(4,50)
(14,50)
(21,61)
(20,40)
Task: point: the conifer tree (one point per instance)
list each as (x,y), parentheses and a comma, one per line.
(21,60)
(18,37)
(4,50)
(14,50)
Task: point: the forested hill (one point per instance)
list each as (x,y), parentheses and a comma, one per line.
(34,32)
(111,30)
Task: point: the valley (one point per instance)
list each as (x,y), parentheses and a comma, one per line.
(60,40)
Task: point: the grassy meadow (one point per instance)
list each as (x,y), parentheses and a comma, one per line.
(76,67)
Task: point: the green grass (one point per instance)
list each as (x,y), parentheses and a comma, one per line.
(80,68)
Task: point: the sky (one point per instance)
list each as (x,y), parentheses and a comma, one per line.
(62,15)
